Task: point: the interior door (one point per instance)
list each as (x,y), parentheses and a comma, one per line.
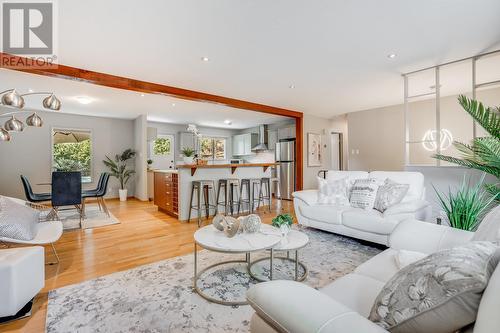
(161,151)
(336,151)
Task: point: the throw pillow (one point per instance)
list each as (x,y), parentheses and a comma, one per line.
(389,194)
(333,192)
(17,221)
(364,192)
(439,293)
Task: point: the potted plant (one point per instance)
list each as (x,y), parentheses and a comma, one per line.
(118,169)
(188,153)
(284,223)
(149,161)
(466,207)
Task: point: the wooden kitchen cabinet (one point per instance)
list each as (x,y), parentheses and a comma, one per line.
(166,193)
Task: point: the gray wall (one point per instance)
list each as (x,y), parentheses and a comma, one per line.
(29,152)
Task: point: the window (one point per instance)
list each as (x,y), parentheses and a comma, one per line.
(72,151)
(162,146)
(213,148)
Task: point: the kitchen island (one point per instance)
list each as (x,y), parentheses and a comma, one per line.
(179,182)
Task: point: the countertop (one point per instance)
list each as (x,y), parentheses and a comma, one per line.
(165,171)
(194,166)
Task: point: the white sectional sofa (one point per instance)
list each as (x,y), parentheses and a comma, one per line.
(344,305)
(370,225)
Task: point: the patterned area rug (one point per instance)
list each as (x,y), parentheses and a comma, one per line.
(159,297)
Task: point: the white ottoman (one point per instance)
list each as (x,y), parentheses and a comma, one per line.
(22,276)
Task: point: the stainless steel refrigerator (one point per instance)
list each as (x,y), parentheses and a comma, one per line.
(285,171)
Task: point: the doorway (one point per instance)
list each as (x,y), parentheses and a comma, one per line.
(336,153)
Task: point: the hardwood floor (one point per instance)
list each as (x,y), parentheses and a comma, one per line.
(143,236)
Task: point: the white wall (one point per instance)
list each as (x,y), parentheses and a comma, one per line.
(29,152)
(140,144)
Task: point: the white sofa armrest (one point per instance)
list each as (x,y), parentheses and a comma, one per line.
(290,306)
(310,197)
(406,207)
(427,237)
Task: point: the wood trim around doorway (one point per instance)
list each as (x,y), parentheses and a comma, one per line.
(27,65)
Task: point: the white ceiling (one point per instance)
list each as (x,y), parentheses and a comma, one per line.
(117,103)
(333,51)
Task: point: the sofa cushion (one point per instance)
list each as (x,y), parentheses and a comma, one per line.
(414,179)
(364,193)
(333,192)
(389,194)
(17,221)
(439,293)
(324,213)
(350,175)
(310,197)
(368,220)
(356,291)
(382,267)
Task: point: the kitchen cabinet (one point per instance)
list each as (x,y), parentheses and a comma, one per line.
(186,140)
(286,132)
(272,139)
(243,143)
(166,192)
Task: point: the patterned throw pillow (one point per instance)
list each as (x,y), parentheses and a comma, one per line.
(439,293)
(389,194)
(17,221)
(364,193)
(333,192)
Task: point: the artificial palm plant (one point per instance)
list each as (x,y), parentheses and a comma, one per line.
(118,166)
(483,153)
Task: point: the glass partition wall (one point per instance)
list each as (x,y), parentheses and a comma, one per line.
(433,117)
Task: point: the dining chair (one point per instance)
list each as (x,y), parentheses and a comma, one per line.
(67,191)
(98,193)
(30,195)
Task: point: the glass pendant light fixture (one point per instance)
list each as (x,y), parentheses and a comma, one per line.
(12,99)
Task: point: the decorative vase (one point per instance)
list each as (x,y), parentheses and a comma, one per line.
(123,194)
(285,229)
(188,159)
(231,226)
(219,221)
(252,224)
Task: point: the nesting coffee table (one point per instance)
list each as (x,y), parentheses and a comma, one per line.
(268,239)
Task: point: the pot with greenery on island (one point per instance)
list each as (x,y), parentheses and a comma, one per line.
(119,169)
(188,153)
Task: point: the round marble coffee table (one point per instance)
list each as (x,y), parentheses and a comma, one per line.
(294,241)
(214,240)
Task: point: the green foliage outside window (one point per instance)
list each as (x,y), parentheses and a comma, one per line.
(213,148)
(161,146)
(73,156)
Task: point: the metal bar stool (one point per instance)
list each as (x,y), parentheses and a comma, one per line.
(228,185)
(265,182)
(276,185)
(250,184)
(199,186)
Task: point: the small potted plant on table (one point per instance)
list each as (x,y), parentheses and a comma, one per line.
(284,223)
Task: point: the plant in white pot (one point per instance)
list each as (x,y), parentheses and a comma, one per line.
(188,153)
(118,169)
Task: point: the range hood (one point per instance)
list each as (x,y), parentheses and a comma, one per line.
(262,145)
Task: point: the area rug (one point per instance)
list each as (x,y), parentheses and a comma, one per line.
(93,218)
(159,297)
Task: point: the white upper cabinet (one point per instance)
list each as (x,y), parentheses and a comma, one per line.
(272,138)
(286,132)
(243,143)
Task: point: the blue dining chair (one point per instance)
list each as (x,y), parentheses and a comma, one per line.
(30,195)
(98,192)
(67,191)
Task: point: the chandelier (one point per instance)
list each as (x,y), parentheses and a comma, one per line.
(12,99)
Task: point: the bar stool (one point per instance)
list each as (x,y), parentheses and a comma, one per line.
(276,185)
(265,182)
(250,184)
(199,186)
(228,185)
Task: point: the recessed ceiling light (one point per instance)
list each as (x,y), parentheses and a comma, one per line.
(292,86)
(173,104)
(84,99)
(30,90)
(205,59)
(142,95)
(228,122)
(391,55)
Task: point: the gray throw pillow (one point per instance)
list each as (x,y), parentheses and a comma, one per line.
(364,192)
(439,293)
(17,221)
(390,194)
